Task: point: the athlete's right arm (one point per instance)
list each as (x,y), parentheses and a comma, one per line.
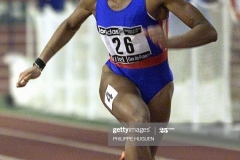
(61,36)
(68,28)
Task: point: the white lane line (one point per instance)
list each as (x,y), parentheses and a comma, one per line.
(61,141)
(3,157)
(58,141)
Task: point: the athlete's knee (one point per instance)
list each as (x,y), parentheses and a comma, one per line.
(139,112)
(140,117)
(134,116)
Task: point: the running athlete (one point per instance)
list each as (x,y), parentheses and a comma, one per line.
(136,83)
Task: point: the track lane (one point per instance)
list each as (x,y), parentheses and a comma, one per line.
(82,141)
(36,147)
(51,140)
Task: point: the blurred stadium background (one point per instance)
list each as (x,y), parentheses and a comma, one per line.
(207,78)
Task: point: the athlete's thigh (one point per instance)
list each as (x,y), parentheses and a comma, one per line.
(121,97)
(160,104)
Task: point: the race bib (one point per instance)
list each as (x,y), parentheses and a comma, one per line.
(125,45)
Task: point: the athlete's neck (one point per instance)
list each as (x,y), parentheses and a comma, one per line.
(118,5)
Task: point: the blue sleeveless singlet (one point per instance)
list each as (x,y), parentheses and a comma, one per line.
(132,54)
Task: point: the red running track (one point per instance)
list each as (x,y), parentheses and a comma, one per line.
(24,138)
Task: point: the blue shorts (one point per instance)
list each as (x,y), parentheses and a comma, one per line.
(149,80)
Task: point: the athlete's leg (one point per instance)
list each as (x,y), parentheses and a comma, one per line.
(128,107)
(160,108)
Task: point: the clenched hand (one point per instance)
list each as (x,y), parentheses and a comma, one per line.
(30,73)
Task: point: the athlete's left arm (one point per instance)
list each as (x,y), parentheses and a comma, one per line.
(202,32)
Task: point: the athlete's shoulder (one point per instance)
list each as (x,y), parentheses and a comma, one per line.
(159,2)
(157,9)
(165,2)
